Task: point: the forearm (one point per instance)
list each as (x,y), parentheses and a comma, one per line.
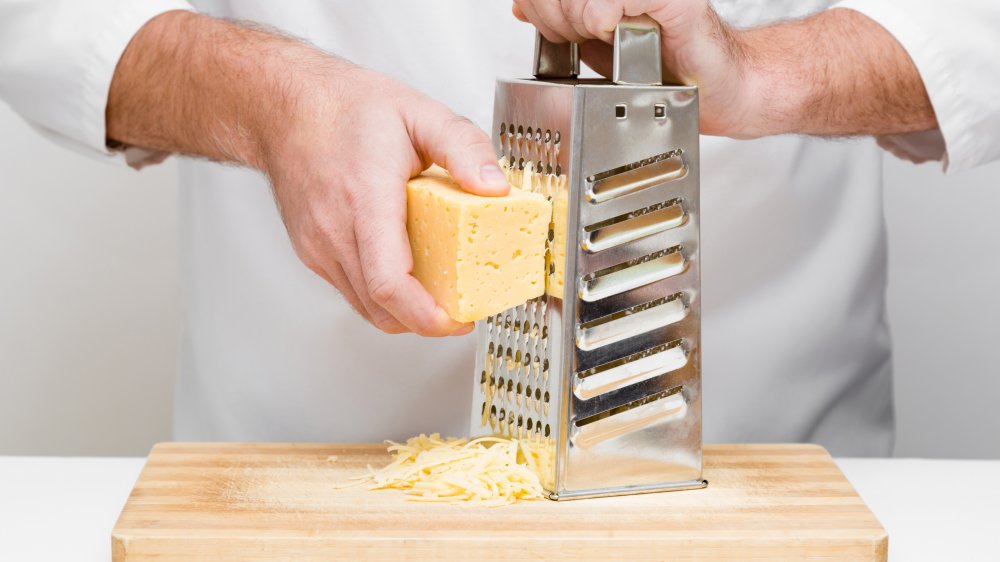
(197,85)
(837,73)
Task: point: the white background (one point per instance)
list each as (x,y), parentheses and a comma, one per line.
(90,303)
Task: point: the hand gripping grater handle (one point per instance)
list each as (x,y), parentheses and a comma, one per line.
(636,58)
(601,376)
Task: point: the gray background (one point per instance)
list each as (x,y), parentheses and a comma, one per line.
(89,303)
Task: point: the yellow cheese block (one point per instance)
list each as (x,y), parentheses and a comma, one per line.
(476,256)
(556,279)
(556,191)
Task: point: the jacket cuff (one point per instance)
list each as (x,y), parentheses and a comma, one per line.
(944,58)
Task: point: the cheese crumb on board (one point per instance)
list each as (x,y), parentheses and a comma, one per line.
(489,471)
(476,255)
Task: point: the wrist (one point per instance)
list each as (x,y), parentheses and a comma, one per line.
(312,100)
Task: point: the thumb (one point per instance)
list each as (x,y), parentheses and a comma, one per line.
(457,145)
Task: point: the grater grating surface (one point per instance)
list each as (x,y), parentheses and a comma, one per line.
(602,373)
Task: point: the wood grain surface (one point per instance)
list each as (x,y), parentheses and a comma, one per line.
(264,502)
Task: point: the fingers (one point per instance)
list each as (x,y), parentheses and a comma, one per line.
(530,10)
(334,274)
(599,19)
(553,13)
(375,313)
(572,20)
(572,11)
(458,146)
(386,262)
(518,13)
(325,257)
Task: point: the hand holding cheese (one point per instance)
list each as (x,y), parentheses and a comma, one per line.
(476,255)
(338,143)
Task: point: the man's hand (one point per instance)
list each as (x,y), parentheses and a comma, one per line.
(338,143)
(339,172)
(835,73)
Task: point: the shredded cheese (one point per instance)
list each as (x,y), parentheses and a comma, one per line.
(487,470)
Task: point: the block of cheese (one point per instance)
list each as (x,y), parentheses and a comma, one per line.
(556,191)
(556,258)
(475,255)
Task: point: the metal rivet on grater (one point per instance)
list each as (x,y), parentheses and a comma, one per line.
(602,374)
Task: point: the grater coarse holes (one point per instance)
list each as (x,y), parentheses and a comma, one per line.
(601,375)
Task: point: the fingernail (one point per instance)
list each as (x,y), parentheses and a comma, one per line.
(491,175)
(463,330)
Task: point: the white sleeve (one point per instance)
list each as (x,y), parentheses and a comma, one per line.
(955,46)
(57,58)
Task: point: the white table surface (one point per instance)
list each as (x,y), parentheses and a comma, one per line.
(63,509)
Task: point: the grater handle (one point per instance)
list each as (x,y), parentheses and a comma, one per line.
(636,60)
(556,60)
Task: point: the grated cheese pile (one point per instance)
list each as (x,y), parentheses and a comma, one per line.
(487,470)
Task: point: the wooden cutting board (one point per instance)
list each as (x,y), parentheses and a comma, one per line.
(264,502)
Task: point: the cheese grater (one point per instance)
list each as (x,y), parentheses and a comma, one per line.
(601,376)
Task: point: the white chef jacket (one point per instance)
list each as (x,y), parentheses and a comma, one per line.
(796,346)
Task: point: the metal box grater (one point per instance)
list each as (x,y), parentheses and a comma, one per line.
(602,374)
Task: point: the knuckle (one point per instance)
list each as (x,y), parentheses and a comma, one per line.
(383,289)
(306,250)
(385,322)
(592,15)
(427,327)
(461,128)
(568,10)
